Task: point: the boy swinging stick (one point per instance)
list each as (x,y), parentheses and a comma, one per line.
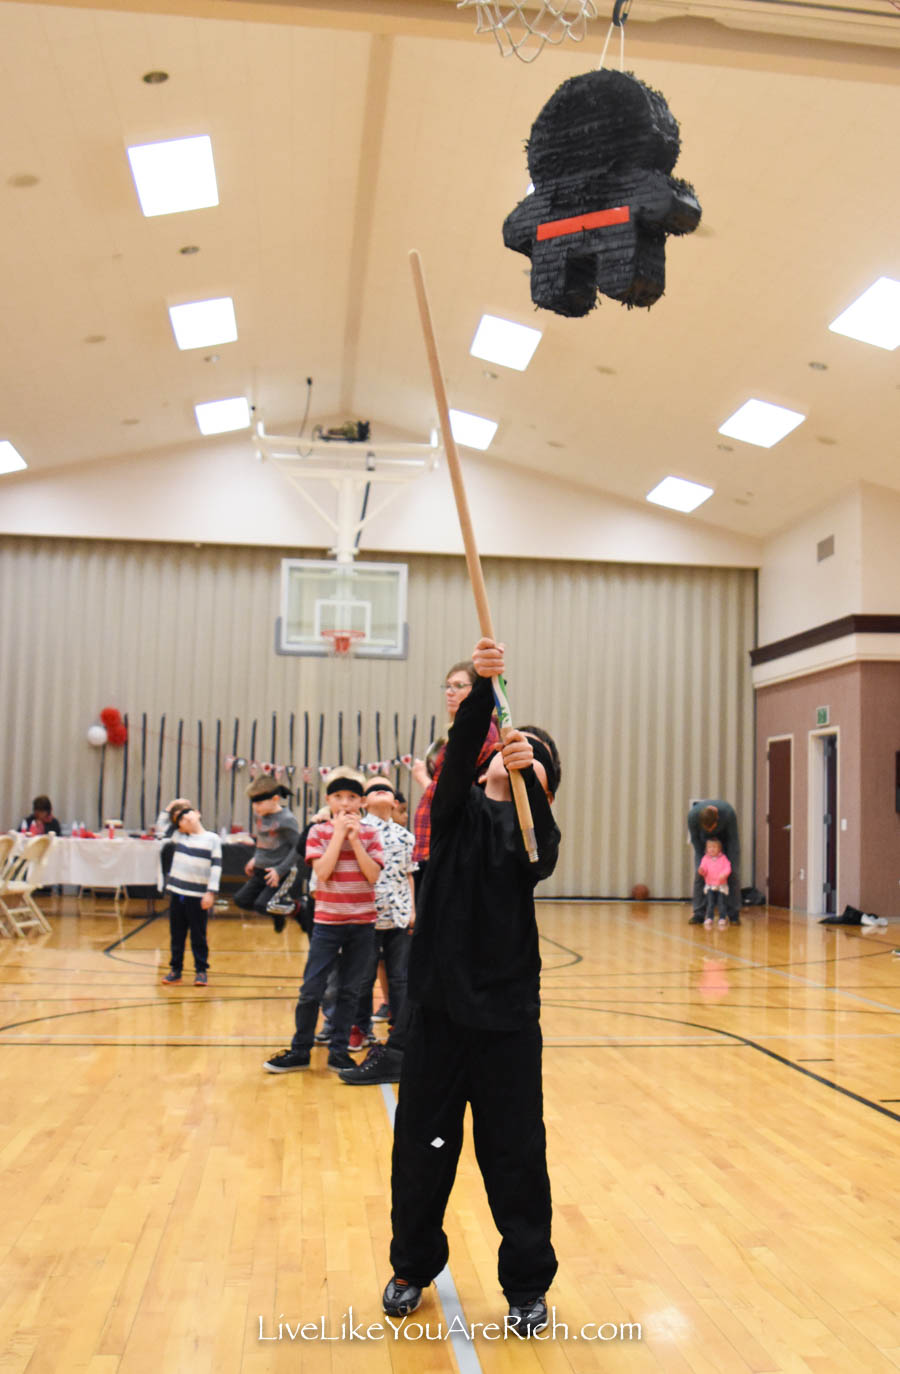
(474,986)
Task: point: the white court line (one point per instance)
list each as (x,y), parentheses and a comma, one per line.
(763,968)
(466,1355)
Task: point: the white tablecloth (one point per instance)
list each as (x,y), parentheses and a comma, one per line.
(103,863)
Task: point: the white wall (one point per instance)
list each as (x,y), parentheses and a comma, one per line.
(218,493)
(862,577)
(797,592)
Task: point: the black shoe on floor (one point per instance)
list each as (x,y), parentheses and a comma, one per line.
(400,1298)
(526,1318)
(381,1065)
(339,1060)
(288,1061)
(696,921)
(279,921)
(734,920)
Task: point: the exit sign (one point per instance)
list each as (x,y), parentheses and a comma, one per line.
(821,715)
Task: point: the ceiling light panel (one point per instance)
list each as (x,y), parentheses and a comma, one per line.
(174,176)
(761,423)
(472,430)
(504,342)
(10,459)
(202,323)
(219,417)
(677,493)
(874,317)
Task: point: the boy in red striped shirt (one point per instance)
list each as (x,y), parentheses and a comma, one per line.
(346,855)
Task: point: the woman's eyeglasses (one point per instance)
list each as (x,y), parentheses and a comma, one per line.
(456,686)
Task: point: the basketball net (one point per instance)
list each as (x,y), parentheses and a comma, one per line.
(339,643)
(524,35)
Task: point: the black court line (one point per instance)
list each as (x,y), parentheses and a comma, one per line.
(197,1001)
(754,1045)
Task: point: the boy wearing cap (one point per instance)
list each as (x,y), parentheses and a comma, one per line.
(192,884)
(474,1031)
(277,837)
(346,856)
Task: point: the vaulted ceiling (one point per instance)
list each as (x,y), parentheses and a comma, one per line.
(345,134)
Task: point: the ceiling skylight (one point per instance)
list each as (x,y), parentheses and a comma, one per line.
(472,430)
(874,317)
(501,341)
(202,323)
(218,417)
(174,176)
(677,493)
(10,459)
(761,423)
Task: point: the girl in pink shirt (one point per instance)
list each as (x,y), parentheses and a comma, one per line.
(715,870)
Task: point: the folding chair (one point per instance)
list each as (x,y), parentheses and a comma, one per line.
(28,866)
(7,845)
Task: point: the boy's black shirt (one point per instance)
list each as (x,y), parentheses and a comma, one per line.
(475,948)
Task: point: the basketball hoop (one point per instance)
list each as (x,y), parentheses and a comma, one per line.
(525,35)
(339,643)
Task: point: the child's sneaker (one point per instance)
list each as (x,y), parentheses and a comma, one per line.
(323,1037)
(200,978)
(383,1013)
(173,976)
(281,905)
(288,1061)
(708,923)
(723,922)
(340,1059)
(357,1039)
(381,1065)
(400,1297)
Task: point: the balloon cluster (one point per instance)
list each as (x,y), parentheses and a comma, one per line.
(111,730)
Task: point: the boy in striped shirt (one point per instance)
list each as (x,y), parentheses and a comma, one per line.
(192,884)
(346,855)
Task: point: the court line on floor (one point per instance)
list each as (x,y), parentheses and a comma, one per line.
(466,1356)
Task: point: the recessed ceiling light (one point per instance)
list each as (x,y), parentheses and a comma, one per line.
(472,430)
(174,176)
(10,459)
(677,493)
(218,417)
(874,317)
(188,249)
(761,423)
(155,78)
(504,342)
(23,180)
(201,323)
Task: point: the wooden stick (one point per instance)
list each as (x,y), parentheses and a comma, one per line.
(473,561)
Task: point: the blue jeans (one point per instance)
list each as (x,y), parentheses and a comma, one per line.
(393,947)
(349,947)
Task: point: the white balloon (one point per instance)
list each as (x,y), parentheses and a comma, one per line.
(97,735)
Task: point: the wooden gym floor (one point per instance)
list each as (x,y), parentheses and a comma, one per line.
(723,1115)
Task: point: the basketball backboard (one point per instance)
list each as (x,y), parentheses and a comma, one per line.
(365,600)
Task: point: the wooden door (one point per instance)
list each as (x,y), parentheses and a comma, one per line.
(779,822)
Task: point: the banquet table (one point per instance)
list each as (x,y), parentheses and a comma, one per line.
(95,864)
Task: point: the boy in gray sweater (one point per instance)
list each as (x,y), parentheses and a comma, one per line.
(277,837)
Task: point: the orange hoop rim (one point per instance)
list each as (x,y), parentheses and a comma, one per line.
(342,641)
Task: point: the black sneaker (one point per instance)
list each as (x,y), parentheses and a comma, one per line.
(527,1317)
(323,1037)
(696,920)
(400,1298)
(734,920)
(340,1059)
(279,921)
(288,1061)
(381,1065)
(383,1013)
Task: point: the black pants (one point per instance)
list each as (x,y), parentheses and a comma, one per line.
(444,1067)
(714,899)
(255,894)
(186,914)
